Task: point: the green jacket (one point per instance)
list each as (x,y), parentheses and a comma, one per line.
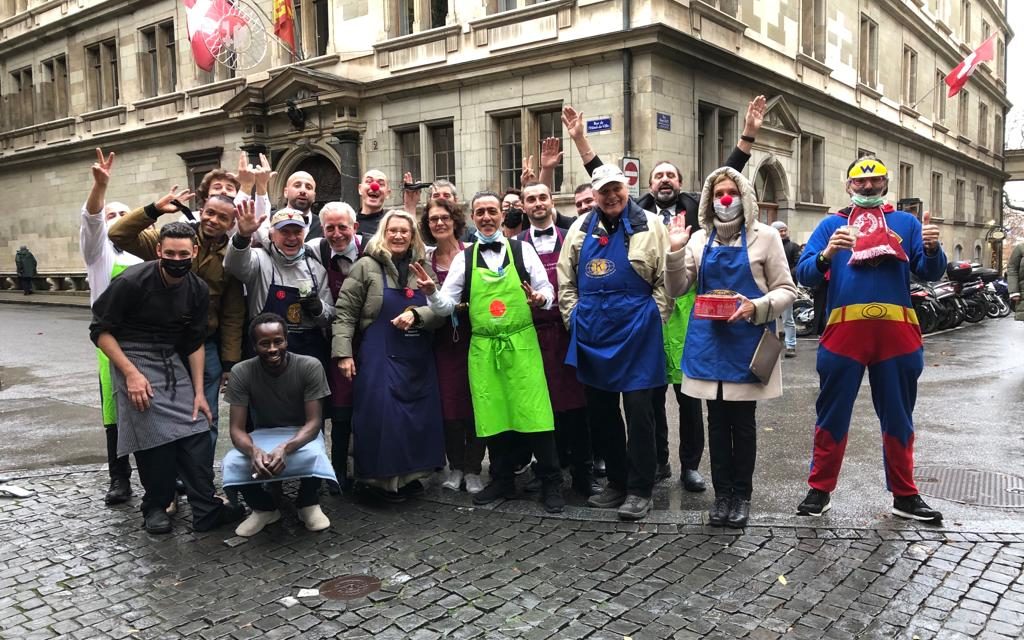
(25,263)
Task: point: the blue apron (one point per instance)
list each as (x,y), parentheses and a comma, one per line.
(284,301)
(308,461)
(396,417)
(716,349)
(615,339)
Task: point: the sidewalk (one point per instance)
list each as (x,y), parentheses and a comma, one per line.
(73,567)
(62,299)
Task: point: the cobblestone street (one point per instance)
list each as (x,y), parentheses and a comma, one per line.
(72,567)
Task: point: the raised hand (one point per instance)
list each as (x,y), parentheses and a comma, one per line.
(527,175)
(533,298)
(245,217)
(572,120)
(263,174)
(101,168)
(678,233)
(929,232)
(164,204)
(410,197)
(755,116)
(423,279)
(550,153)
(246,173)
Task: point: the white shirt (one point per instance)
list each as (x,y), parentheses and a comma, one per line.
(544,244)
(99,252)
(443,301)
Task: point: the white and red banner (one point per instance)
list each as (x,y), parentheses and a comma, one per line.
(958,77)
(208,29)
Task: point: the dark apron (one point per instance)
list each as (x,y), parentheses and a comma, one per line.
(451,353)
(396,417)
(615,338)
(716,349)
(284,301)
(565,390)
(341,387)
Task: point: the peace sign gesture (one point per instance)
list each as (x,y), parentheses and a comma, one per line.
(101,168)
(423,279)
(533,298)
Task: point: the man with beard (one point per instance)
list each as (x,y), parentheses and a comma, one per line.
(104,262)
(666,198)
(374,192)
(869,250)
(299,194)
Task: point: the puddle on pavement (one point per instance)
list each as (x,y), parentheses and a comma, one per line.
(14,376)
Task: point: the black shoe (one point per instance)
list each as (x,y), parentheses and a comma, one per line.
(157,521)
(739,512)
(790,352)
(120,490)
(179,487)
(333,488)
(815,504)
(600,470)
(495,491)
(634,508)
(692,480)
(610,498)
(663,471)
(719,511)
(533,485)
(411,489)
(552,498)
(914,508)
(586,484)
(231,513)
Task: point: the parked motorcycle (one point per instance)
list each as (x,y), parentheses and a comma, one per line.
(803,312)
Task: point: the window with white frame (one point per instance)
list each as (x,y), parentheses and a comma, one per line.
(812,168)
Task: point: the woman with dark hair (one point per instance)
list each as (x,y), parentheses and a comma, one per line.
(442,224)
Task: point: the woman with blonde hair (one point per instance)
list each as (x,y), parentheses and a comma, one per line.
(731,253)
(396,416)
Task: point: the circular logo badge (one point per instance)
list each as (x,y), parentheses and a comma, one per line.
(600,268)
(294,314)
(498,309)
(873,311)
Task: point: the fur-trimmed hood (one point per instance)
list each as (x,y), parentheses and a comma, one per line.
(706,209)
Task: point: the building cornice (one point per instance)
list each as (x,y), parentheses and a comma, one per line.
(71,22)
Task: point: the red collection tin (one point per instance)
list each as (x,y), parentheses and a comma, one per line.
(715,306)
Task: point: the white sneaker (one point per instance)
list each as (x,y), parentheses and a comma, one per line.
(314,518)
(474,484)
(453,481)
(256,521)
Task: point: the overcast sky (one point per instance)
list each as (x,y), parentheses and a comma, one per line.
(1015,89)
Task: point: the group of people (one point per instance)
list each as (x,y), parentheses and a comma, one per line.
(428,342)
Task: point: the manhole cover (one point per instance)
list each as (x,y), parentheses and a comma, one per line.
(349,587)
(969,486)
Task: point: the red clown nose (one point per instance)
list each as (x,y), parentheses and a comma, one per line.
(726,200)
(375,186)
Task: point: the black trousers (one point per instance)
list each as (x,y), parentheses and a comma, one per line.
(572,436)
(119,467)
(465,451)
(187,459)
(341,433)
(691,427)
(507,448)
(26,284)
(732,443)
(257,497)
(630,452)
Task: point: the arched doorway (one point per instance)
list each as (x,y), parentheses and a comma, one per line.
(327,177)
(769,188)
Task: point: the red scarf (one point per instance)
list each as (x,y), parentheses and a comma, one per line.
(875,241)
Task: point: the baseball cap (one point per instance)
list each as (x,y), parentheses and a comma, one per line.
(867,167)
(606,174)
(286,216)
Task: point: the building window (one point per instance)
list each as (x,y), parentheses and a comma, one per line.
(909,77)
(510,151)
(906,185)
(199,162)
(982,124)
(965,21)
(812,29)
(958,201)
(409,150)
(1000,55)
(413,16)
(864,152)
(158,66)
(406,17)
(979,204)
(103,82)
(320,31)
(812,168)
(997,135)
(939,98)
(963,108)
(958,253)
(868,60)
(549,125)
(23,91)
(936,195)
(986,31)
(54,91)
(442,140)
(997,206)
(716,133)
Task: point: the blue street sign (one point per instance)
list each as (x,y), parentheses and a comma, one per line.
(597,125)
(664,121)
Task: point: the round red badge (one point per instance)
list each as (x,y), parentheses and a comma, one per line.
(408,292)
(280,295)
(498,308)
(603,241)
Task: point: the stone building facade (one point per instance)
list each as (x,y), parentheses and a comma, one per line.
(464,88)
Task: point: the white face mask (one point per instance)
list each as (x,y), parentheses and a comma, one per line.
(728,210)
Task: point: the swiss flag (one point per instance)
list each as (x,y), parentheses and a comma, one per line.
(203,19)
(957,78)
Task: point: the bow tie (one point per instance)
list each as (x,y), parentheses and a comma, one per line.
(491,246)
(550,231)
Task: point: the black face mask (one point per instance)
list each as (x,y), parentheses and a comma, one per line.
(176,268)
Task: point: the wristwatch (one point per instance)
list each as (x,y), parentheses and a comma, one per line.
(823,263)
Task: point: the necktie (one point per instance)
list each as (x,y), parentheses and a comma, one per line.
(550,231)
(666,215)
(491,246)
(336,261)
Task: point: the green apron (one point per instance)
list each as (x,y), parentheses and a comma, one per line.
(108,404)
(675,335)
(506,371)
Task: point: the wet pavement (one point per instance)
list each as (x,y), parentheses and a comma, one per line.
(71,566)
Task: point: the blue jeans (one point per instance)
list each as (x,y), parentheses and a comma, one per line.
(789,326)
(212,372)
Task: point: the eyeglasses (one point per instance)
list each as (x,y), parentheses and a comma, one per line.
(439,219)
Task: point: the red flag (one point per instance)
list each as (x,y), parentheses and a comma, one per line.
(957,78)
(203,20)
(284,22)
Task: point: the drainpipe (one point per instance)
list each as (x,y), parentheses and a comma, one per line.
(627,85)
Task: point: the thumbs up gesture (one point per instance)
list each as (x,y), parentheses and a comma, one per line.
(929,233)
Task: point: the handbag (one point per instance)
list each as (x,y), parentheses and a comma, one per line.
(767,353)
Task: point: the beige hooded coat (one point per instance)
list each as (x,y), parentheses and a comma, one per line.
(771,273)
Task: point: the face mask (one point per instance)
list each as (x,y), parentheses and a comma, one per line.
(176,268)
(867,202)
(495,237)
(290,260)
(728,208)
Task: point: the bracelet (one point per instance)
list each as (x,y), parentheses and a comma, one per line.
(749,139)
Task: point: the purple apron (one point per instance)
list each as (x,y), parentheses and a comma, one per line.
(451,353)
(341,387)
